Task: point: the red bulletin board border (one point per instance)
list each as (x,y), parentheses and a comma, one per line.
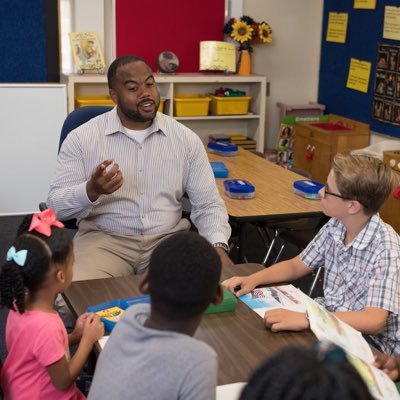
(147,28)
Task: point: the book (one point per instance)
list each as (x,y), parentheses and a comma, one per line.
(86,51)
(326,327)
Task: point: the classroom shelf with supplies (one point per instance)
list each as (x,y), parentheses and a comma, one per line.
(251,124)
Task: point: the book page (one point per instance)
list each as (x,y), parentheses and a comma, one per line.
(326,326)
(231,391)
(262,299)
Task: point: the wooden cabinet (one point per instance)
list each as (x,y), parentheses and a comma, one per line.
(316,144)
(251,124)
(390,211)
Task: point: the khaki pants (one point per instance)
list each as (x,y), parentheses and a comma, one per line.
(99,254)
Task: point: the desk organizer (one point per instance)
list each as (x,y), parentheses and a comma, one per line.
(110,322)
(223,148)
(219,169)
(228,304)
(239,189)
(191,105)
(308,188)
(230,105)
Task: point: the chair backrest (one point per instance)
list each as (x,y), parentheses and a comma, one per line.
(78,117)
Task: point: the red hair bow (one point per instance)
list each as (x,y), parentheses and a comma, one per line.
(43,221)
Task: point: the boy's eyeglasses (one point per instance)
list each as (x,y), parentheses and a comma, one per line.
(325,191)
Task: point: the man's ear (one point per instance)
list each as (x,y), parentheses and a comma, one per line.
(113,95)
(219,296)
(144,285)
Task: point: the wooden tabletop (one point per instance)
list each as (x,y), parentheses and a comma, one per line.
(240,338)
(274,196)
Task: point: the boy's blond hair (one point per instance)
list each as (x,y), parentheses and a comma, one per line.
(365,179)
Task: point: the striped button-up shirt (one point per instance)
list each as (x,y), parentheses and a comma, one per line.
(364,273)
(157,172)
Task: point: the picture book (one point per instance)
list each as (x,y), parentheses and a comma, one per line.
(86,52)
(329,328)
(267,298)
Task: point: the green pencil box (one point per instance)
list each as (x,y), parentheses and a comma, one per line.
(228,304)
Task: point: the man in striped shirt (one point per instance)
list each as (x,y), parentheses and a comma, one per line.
(123,174)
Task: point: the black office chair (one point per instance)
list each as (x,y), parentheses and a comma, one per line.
(75,119)
(298,232)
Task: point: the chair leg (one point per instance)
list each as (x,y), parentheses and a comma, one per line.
(271,246)
(314,282)
(278,256)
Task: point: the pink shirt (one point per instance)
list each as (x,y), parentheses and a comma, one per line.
(34,340)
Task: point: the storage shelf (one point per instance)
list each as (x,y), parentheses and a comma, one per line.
(170,85)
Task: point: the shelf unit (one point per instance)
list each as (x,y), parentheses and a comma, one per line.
(251,124)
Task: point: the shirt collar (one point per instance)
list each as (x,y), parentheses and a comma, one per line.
(114,125)
(363,239)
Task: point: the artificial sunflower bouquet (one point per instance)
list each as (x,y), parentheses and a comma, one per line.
(248,32)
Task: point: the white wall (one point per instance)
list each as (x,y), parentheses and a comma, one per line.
(291,61)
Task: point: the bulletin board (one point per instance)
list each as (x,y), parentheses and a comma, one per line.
(29,42)
(147,28)
(364,36)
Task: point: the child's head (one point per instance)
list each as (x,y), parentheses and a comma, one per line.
(365,179)
(184,274)
(304,374)
(31,258)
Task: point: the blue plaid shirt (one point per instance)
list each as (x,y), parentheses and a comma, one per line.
(364,273)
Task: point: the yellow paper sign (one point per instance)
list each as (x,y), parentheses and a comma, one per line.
(391,25)
(337,27)
(220,56)
(359,74)
(365,4)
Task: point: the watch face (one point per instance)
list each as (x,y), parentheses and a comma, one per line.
(167,62)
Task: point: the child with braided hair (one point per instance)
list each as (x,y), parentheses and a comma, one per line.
(38,268)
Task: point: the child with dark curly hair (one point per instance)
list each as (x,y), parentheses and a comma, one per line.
(38,268)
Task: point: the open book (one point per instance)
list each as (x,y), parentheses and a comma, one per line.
(326,327)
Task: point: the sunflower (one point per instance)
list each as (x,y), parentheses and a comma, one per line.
(265,33)
(241,32)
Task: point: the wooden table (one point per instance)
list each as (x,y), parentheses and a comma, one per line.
(274,198)
(240,338)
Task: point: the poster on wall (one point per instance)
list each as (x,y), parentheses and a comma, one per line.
(386,102)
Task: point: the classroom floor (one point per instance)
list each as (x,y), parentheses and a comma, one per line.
(254,253)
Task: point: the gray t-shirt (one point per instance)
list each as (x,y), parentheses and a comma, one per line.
(149,364)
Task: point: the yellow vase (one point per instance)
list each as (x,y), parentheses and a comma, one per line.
(244,63)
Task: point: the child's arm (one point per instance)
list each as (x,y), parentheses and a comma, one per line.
(388,364)
(370,320)
(76,335)
(285,271)
(63,373)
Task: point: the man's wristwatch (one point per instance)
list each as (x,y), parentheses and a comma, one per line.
(222,245)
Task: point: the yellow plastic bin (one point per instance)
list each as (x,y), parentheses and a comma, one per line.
(161,106)
(191,105)
(82,101)
(230,105)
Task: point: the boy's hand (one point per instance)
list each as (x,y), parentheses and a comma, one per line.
(387,364)
(281,319)
(93,329)
(239,285)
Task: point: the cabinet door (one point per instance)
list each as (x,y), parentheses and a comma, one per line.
(390,211)
(322,159)
(302,142)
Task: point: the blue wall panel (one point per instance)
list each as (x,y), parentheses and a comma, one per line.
(364,33)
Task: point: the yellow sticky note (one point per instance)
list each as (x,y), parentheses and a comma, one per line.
(359,74)
(337,27)
(391,25)
(365,4)
(220,56)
